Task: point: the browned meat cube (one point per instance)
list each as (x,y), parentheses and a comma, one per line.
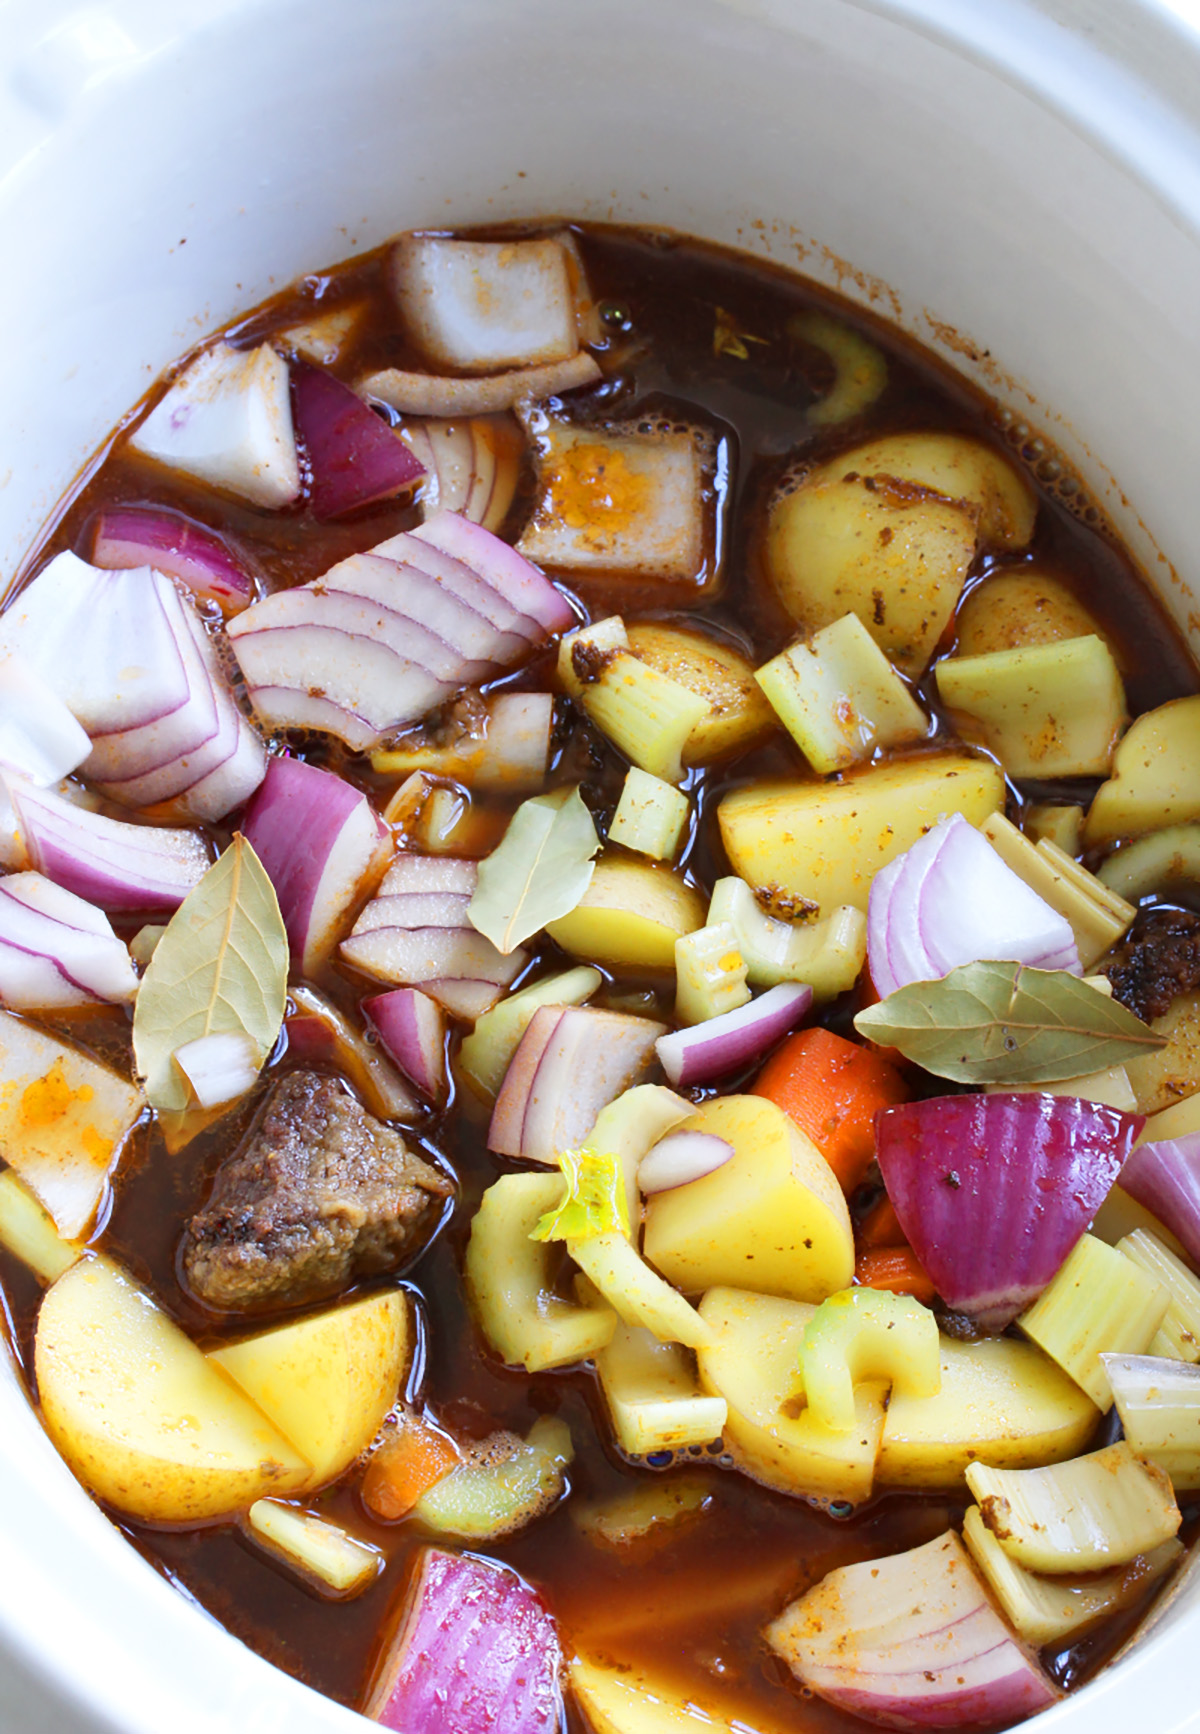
(319,1193)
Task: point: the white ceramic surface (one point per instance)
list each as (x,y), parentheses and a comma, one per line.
(1025,176)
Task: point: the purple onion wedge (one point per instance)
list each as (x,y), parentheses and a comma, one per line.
(721,1044)
(476,1652)
(123,868)
(129,536)
(412,1028)
(354,458)
(1165,1177)
(319,1034)
(681,1157)
(993,1192)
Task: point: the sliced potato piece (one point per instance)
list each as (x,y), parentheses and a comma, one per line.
(141,1416)
(327,1381)
(28,1231)
(1177,1121)
(1001,1402)
(630,915)
(1155,779)
(772,1219)
(653,1394)
(812,846)
(1154,862)
(1063,826)
(1013,609)
(1050,710)
(738,716)
(618,1698)
(774,1437)
(1168,1075)
(1121,1215)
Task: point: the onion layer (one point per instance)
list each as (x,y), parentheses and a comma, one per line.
(992,1192)
(123,868)
(412,1028)
(721,1044)
(1165,1177)
(57,950)
(131,536)
(354,458)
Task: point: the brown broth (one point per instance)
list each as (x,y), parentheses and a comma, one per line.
(692,1607)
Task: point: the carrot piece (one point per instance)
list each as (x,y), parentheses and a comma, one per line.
(881,1226)
(405,1465)
(833,1089)
(896,1268)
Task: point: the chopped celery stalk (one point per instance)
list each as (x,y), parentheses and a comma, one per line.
(407,803)
(651,816)
(710,973)
(860,369)
(1083,1515)
(595,1201)
(1060,825)
(839,697)
(317,1549)
(1098,918)
(510,1280)
(440,817)
(1111,1087)
(647,715)
(1179,1334)
(865,1333)
(828,954)
(1045,1610)
(631,1126)
(485,1053)
(639,1295)
(1154,862)
(502,1485)
(1158,1401)
(647,1513)
(141,946)
(28,1230)
(1045,710)
(1099,1303)
(653,1394)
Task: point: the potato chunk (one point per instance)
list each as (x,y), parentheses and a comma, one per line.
(1013,609)
(1047,710)
(1155,777)
(630,915)
(772,1219)
(738,714)
(140,1415)
(809,847)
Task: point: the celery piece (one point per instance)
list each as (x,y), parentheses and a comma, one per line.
(651,816)
(485,1053)
(1100,1302)
(860,371)
(630,1126)
(440,817)
(839,697)
(864,1333)
(1154,862)
(1045,710)
(1046,1610)
(510,1280)
(647,715)
(1053,824)
(1178,1336)
(1158,1401)
(827,954)
(646,1513)
(141,946)
(1083,1515)
(321,1552)
(595,1201)
(28,1230)
(1098,918)
(653,1394)
(502,1485)
(710,973)
(639,1295)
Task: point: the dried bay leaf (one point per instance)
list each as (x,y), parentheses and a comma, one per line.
(220,968)
(1004,1023)
(538,872)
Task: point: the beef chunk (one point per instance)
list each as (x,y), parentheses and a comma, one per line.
(1158,959)
(319,1193)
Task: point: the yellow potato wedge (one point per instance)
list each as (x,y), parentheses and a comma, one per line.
(327,1381)
(141,1416)
(808,847)
(738,714)
(1026,605)
(1170,1074)
(772,1219)
(630,915)
(1045,710)
(618,1698)
(1155,779)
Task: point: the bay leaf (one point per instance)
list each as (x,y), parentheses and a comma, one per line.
(220,968)
(538,872)
(1005,1023)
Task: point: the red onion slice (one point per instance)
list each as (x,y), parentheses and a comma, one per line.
(412,1028)
(681,1157)
(319,1034)
(722,1044)
(123,868)
(58,950)
(130,536)
(501,567)
(992,1192)
(354,457)
(322,845)
(951,900)
(515,631)
(476,1653)
(1165,1177)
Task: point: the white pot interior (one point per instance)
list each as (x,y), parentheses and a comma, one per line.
(1018,187)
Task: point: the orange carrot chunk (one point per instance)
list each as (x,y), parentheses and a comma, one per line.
(881,1226)
(404,1466)
(833,1089)
(895,1268)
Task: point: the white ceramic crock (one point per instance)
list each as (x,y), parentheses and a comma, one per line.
(1019,184)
